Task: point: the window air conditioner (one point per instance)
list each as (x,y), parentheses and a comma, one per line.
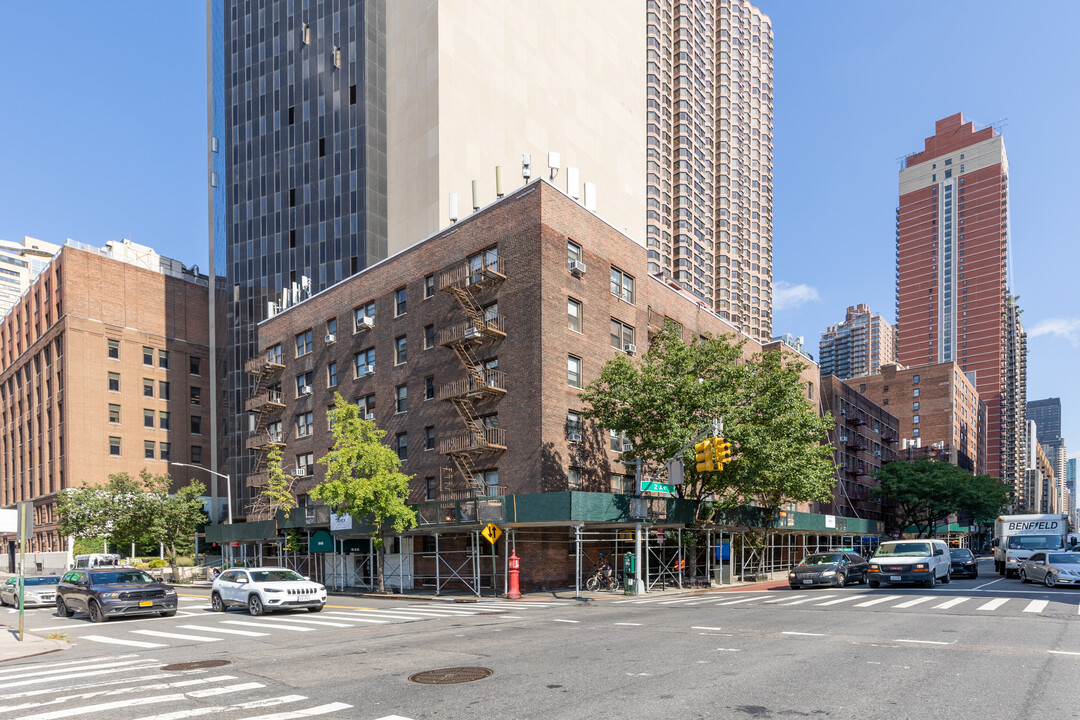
(629,348)
(369,416)
(577,268)
(843,438)
(369,369)
(574,437)
(877,453)
(331,338)
(471,332)
(365,323)
(843,411)
(299,471)
(627,446)
(305,390)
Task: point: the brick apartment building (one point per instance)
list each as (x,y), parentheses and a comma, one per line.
(469,349)
(103,369)
(938,409)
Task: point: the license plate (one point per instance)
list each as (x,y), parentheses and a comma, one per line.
(146,603)
(895,578)
(808,582)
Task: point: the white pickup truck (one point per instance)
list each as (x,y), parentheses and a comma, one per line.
(1016,537)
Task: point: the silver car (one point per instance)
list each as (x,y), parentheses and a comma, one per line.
(37,591)
(1051,568)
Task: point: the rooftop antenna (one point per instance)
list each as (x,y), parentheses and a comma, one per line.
(453,208)
(526,167)
(498,181)
(475,195)
(554,164)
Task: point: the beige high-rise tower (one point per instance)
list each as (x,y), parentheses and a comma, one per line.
(709,158)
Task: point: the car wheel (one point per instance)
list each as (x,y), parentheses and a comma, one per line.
(931,582)
(62,609)
(316,608)
(216,603)
(948,577)
(255,605)
(168,613)
(874,584)
(97,613)
(1050,580)
(975,575)
(841,579)
(1024,577)
(793,587)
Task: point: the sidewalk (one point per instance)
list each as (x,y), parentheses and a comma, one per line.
(12,649)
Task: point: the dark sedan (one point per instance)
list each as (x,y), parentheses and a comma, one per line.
(834,569)
(964,563)
(106,593)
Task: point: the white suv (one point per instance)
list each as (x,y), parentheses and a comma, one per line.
(264,589)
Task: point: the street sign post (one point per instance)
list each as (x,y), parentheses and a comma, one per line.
(491,533)
(26,529)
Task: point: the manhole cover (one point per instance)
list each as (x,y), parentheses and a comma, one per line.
(199,665)
(450,676)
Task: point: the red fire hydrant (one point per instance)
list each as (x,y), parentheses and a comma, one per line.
(514,593)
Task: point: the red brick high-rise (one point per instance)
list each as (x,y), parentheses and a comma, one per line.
(952,295)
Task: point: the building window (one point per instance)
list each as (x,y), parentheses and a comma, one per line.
(164,420)
(915,380)
(364,317)
(622,285)
(147,387)
(429,388)
(429,286)
(195,366)
(114,446)
(303,343)
(163,390)
(429,337)
(305,424)
(114,352)
(399,302)
(149,449)
(622,485)
(401,444)
(331,328)
(429,437)
(164,450)
(148,418)
(574,479)
(196,425)
(573,371)
(304,382)
(163,359)
(331,375)
(429,486)
(273,354)
(573,426)
(401,350)
(621,335)
(573,252)
(148,356)
(915,419)
(810,390)
(401,395)
(195,395)
(915,405)
(196,454)
(365,362)
(490,480)
(619,443)
(915,392)
(114,413)
(367,406)
(304,463)
(114,382)
(573,314)
(915,432)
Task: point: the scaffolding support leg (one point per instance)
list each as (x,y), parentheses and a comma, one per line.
(577,561)
(438,562)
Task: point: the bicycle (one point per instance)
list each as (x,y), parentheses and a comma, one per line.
(600,581)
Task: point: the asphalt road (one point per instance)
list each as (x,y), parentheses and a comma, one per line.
(987,648)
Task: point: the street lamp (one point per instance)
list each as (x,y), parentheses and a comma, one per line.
(228,483)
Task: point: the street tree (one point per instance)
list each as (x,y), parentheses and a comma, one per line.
(280,491)
(176,517)
(84,512)
(363,478)
(924,492)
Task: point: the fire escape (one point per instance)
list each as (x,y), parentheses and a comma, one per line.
(472,284)
(266,403)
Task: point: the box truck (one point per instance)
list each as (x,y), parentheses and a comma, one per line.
(1016,537)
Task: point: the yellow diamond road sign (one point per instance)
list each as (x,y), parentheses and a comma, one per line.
(491,533)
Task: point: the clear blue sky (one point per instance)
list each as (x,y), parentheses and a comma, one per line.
(104,137)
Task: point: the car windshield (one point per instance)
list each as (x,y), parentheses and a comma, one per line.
(960,554)
(1064,559)
(821,560)
(1035,542)
(261,576)
(112,577)
(904,549)
(47,580)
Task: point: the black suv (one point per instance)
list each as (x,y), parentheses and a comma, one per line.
(110,592)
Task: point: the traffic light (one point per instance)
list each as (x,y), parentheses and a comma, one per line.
(704,456)
(723,452)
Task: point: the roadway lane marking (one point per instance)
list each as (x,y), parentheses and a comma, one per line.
(913,603)
(296,715)
(843,600)
(702,627)
(324,623)
(993,604)
(992,582)
(117,641)
(565,621)
(1036,606)
(808,599)
(267,626)
(206,628)
(176,636)
(791,632)
(875,601)
(1062,652)
(736,602)
(630,624)
(950,603)
(923,642)
(789,598)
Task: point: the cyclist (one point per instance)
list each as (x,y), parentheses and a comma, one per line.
(603,567)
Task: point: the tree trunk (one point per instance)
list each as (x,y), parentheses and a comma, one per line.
(172,563)
(379,564)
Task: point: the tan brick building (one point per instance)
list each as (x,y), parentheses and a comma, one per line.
(103,369)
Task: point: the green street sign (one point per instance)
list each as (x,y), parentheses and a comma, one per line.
(650,486)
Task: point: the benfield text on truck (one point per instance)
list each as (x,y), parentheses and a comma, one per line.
(1038,525)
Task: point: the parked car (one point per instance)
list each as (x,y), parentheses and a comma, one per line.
(37,591)
(835,569)
(265,589)
(112,592)
(910,561)
(1052,568)
(963,563)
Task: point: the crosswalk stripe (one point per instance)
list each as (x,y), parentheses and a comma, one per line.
(118,641)
(993,604)
(215,709)
(53,670)
(950,603)
(206,628)
(320,710)
(849,598)
(679,601)
(443,613)
(743,600)
(360,619)
(1036,606)
(379,614)
(67,699)
(875,601)
(101,707)
(324,623)
(788,598)
(96,683)
(267,626)
(808,599)
(517,605)
(210,692)
(176,636)
(913,603)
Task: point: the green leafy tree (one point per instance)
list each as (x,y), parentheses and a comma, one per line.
(279,493)
(924,492)
(84,512)
(363,477)
(174,518)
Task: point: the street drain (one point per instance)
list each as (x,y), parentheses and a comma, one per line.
(199,665)
(450,676)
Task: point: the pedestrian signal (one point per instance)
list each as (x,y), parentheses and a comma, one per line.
(704,456)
